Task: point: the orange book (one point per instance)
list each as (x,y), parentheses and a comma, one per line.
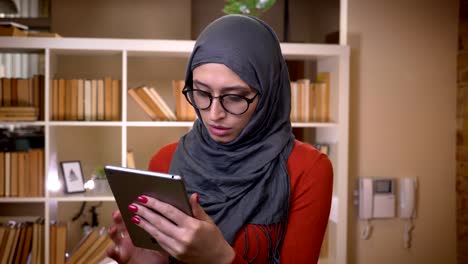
(27,244)
(55,99)
(3,241)
(2,174)
(116,91)
(53,243)
(323,96)
(80,100)
(62,99)
(41,95)
(100,100)
(33,173)
(100,252)
(84,259)
(107,98)
(23,183)
(142,104)
(6,84)
(86,243)
(14,91)
(168,114)
(94,100)
(23,92)
(14,174)
(74,100)
(60,243)
(41,172)
(144,94)
(10,244)
(87,100)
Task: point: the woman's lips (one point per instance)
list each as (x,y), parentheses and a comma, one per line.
(219,130)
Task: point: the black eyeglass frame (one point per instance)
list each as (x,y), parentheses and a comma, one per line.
(186,90)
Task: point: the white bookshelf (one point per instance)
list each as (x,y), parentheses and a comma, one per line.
(120,57)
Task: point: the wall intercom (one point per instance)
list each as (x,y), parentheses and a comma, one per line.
(377,199)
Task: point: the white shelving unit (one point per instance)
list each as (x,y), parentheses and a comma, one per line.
(120,57)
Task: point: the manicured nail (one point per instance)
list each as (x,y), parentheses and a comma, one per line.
(136,219)
(133,208)
(198,198)
(142,199)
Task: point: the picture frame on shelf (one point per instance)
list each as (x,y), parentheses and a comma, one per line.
(72,176)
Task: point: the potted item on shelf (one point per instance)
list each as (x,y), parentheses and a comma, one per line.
(98,183)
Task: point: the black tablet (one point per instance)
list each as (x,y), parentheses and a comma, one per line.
(127,184)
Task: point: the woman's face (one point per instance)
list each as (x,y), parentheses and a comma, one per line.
(217,80)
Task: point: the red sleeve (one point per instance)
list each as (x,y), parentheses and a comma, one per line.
(161,161)
(311,191)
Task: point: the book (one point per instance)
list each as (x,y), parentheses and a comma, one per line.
(27,245)
(100,100)
(85,244)
(55,100)
(14,174)
(60,242)
(9,247)
(2,174)
(168,114)
(62,86)
(7,173)
(107,98)
(73,115)
(12,29)
(87,100)
(322,89)
(130,159)
(133,94)
(102,237)
(116,91)
(80,100)
(144,93)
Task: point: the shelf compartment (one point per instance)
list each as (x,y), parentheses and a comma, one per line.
(155,138)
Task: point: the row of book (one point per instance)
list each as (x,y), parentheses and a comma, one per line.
(22,241)
(22,99)
(155,106)
(22,173)
(91,248)
(86,100)
(310,101)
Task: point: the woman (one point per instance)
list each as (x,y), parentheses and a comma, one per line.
(257,194)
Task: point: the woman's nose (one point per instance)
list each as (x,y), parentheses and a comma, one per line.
(216,110)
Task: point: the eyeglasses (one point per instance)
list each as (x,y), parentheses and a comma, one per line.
(232,103)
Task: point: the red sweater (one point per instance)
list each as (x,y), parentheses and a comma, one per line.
(310,199)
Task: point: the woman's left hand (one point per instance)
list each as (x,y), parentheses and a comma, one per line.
(194,239)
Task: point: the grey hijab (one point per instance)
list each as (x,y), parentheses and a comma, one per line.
(244,181)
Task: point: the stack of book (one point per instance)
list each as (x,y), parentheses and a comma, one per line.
(152,103)
(92,247)
(18,113)
(22,240)
(22,163)
(310,102)
(86,100)
(22,99)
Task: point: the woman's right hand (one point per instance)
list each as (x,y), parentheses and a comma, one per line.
(124,251)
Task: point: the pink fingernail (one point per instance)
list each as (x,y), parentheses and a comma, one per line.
(142,199)
(136,219)
(198,198)
(133,208)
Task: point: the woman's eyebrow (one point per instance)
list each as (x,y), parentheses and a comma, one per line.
(227,88)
